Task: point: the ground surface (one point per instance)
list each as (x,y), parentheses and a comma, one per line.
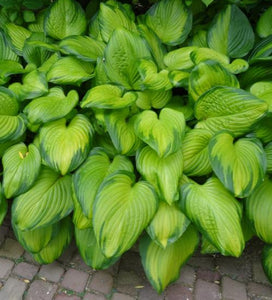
(202,278)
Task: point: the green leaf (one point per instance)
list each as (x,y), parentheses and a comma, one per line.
(229,108)
(8,68)
(162,266)
(202,54)
(163,173)
(267,261)
(122,210)
(151,98)
(181,103)
(237,66)
(11,127)
(8,103)
(259,210)
(122,56)
(6,53)
(179,78)
(207,2)
(262,50)
(207,247)
(168,224)
(207,75)
(3,205)
(53,106)
(240,165)
(64,146)
(231,33)
(46,202)
(262,129)
(179,59)
(61,239)
(216,213)
(263,90)
(21,165)
(264,28)
(163,133)
(111,16)
(90,251)
(268,152)
(65,18)
(88,178)
(108,96)
(82,47)
(70,70)
(199,39)
(195,152)
(171,20)
(80,220)
(120,126)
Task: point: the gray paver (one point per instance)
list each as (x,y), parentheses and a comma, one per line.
(52,272)
(11,249)
(13,289)
(256,289)
(206,290)
(233,289)
(75,280)
(178,291)
(66,297)
(94,297)
(187,275)
(119,296)
(127,282)
(148,293)
(102,282)
(41,290)
(25,270)
(258,273)
(6,266)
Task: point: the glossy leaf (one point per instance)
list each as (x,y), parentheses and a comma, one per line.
(122,210)
(240,165)
(46,202)
(21,165)
(216,214)
(162,266)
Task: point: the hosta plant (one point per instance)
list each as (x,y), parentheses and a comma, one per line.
(143,121)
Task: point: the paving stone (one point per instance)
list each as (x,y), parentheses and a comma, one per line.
(127,282)
(258,273)
(119,296)
(67,255)
(25,270)
(11,249)
(94,297)
(187,275)
(41,290)
(206,290)
(102,282)
(180,292)
(29,258)
(78,263)
(233,290)
(75,280)
(13,289)
(66,297)
(257,289)
(208,275)
(205,262)
(6,266)
(3,232)
(148,293)
(52,272)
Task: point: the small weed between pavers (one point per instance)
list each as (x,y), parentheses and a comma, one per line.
(19,260)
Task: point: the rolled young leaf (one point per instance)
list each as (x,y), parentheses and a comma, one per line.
(48,201)
(163,133)
(239,165)
(64,146)
(122,210)
(21,165)
(162,266)
(216,214)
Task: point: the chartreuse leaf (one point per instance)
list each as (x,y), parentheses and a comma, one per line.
(231,33)
(264,28)
(88,178)
(163,173)
(108,96)
(267,261)
(151,98)
(122,56)
(262,129)
(168,224)
(21,166)
(268,152)
(207,247)
(63,233)
(163,133)
(181,103)
(229,108)
(195,152)
(240,165)
(90,251)
(80,220)
(82,47)
(162,266)
(207,75)
(122,210)
(6,53)
(64,146)
(237,66)
(202,54)
(199,39)
(262,50)
(263,90)
(120,126)
(216,213)
(179,78)
(8,103)
(8,68)
(11,127)
(3,205)
(179,59)
(259,210)
(65,18)
(46,202)
(54,105)
(171,20)
(111,16)
(70,70)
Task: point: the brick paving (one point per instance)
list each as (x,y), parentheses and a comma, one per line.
(204,277)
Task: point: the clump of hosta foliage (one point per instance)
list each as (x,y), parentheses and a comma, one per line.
(145,121)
